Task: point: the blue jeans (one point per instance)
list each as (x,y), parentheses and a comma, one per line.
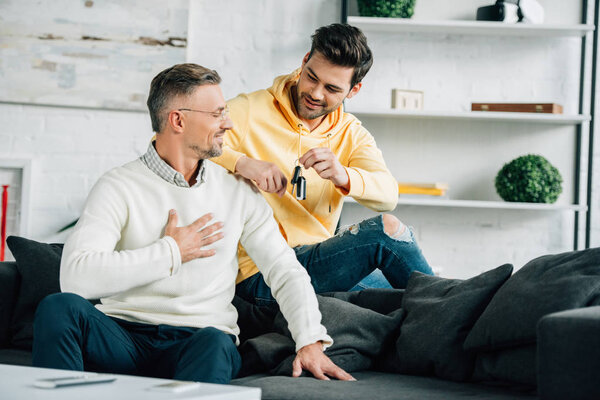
(70,333)
(358,257)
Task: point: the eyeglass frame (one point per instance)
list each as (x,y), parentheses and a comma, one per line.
(223,114)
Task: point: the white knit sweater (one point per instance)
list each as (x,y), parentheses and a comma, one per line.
(117,253)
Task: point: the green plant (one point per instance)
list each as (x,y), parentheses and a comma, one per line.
(529,178)
(386,8)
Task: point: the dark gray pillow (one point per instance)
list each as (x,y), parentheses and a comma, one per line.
(38,265)
(544,285)
(439,315)
(360,335)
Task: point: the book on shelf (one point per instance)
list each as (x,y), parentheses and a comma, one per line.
(544,108)
(430,189)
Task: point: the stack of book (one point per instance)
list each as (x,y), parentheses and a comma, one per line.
(428,189)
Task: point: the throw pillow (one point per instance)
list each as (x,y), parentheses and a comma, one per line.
(360,335)
(38,265)
(439,315)
(544,285)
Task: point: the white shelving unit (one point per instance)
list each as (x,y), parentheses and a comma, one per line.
(481,28)
(467,27)
(499,205)
(557,119)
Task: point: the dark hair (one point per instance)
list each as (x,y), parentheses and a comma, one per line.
(180,79)
(343,45)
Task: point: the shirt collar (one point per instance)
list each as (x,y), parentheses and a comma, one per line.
(160,167)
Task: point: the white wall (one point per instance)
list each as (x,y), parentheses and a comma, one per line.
(250,42)
(99,54)
(453,71)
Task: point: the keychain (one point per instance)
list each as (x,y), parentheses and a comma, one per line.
(299,183)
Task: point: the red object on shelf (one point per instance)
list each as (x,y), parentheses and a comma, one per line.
(3,221)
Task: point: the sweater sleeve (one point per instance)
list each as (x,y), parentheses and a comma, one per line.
(92,268)
(288,280)
(371,182)
(238,112)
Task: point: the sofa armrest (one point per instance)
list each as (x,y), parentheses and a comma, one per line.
(569,354)
(10,281)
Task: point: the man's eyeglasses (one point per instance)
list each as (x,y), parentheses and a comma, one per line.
(223,114)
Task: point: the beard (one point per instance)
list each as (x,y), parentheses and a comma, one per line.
(203,154)
(215,151)
(308,114)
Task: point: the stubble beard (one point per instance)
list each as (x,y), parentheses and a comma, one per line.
(305,113)
(203,154)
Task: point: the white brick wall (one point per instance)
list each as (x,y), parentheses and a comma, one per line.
(70,149)
(250,42)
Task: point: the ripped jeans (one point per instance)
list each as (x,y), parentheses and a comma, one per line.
(358,257)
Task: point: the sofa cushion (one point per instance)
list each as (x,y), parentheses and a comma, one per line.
(15,357)
(10,281)
(360,335)
(383,301)
(544,285)
(439,315)
(515,365)
(380,386)
(38,265)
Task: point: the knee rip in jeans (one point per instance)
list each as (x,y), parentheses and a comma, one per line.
(402,234)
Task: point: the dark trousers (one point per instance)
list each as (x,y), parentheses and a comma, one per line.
(70,333)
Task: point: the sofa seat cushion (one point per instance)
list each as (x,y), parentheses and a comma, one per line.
(380,386)
(439,315)
(38,265)
(544,285)
(15,357)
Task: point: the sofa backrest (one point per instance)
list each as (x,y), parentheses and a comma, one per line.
(9,289)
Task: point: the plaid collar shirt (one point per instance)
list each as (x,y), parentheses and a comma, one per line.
(157,165)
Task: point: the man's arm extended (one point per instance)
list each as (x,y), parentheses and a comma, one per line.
(290,285)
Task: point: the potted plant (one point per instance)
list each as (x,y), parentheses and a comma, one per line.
(529,178)
(386,8)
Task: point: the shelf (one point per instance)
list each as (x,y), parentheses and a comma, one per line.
(557,119)
(502,205)
(400,25)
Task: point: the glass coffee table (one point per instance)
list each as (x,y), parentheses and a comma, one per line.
(17,383)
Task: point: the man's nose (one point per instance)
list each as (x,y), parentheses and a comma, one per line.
(316,92)
(227,123)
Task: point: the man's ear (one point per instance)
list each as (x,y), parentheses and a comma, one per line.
(175,120)
(354,91)
(305,59)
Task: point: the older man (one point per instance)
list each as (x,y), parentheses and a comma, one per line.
(147,246)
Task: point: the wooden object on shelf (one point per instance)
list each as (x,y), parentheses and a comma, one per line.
(546,108)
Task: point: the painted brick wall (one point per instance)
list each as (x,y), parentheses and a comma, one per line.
(250,43)
(70,149)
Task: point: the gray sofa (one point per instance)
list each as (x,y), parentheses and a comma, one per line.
(562,361)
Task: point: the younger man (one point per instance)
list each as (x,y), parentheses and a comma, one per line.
(300,121)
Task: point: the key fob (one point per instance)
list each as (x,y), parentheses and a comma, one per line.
(301,188)
(296,174)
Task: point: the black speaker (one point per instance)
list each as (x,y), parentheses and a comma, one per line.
(503,10)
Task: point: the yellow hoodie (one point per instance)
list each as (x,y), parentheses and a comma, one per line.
(266,127)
